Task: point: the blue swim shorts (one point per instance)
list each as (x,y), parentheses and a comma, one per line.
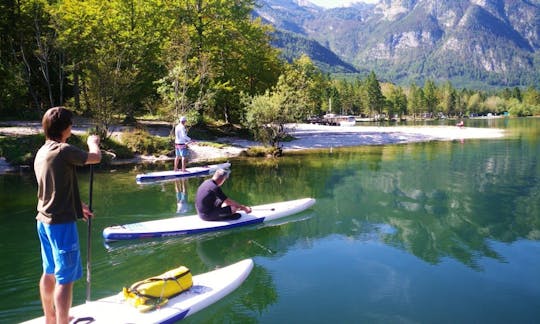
(60,251)
(181,150)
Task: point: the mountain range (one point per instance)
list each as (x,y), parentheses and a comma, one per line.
(472,43)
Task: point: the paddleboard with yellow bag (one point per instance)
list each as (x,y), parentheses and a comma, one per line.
(132,307)
(147,294)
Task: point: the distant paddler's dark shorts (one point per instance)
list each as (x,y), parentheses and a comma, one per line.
(219,214)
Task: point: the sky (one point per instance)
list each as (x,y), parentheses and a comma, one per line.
(338,3)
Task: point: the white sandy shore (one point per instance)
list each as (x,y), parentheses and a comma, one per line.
(320,136)
(309,136)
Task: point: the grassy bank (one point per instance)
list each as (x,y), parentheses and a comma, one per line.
(20,150)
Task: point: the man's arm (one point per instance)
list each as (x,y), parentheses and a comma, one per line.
(94,153)
(236,205)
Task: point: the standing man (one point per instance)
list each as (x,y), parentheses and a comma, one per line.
(212,204)
(59,206)
(181,141)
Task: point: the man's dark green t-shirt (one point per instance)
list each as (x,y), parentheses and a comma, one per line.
(58,195)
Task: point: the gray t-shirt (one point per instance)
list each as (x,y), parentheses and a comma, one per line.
(58,195)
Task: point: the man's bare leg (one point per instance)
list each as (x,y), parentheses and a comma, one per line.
(63,294)
(183,164)
(47,284)
(176,159)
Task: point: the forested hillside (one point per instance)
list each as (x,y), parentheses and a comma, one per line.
(480,44)
(128,58)
(119,61)
(292,46)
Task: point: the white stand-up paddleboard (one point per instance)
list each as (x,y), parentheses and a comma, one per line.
(207,289)
(190,172)
(194,224)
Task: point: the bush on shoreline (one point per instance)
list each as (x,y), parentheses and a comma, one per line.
(21,149)
(140,141)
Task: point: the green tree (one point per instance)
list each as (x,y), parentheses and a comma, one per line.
(301,85)
(397,101)
(373,98)
(331,98)
(232,50)
(13,89)
(494,104)
(430,96)
(265,117)
(516,93)
(113,49)
(415,100)
(31,66)
(531,96)
(448,99)
(461,103)
(345,103)
(188,88)
(474,104)
(358,103)
(295,97)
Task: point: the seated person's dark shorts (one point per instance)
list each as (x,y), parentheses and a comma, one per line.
(222,213)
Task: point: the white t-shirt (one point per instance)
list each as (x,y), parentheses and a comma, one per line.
(180,134)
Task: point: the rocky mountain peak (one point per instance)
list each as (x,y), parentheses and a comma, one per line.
(467,41)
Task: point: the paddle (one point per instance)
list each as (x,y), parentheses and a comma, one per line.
(261,246)
(89,236)
(271,209)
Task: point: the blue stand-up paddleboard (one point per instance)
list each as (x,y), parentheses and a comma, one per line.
(170,175)
(194,224)
(207,289)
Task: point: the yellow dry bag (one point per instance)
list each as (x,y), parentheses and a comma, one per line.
(150,293)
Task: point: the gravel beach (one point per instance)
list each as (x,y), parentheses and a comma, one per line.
(307,136)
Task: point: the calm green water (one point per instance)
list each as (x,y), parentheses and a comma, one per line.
(442,232)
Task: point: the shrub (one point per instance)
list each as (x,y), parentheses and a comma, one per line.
(142,142)
(261,151)
(20,150)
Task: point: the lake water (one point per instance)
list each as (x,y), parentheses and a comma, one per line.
(439,232)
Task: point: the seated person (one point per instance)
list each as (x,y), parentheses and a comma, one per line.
(211,202)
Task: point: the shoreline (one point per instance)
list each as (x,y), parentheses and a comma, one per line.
(320,136)
(307,137)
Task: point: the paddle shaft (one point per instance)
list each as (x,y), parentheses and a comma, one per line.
(261,246)
(89,236)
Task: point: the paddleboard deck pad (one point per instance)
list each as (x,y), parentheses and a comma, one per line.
(186,225)
(171,175)
(207,289)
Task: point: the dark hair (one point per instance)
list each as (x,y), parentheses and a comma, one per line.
(55,121)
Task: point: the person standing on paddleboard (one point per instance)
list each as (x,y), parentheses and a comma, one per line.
(181,141)
(211,202)
(59,206)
